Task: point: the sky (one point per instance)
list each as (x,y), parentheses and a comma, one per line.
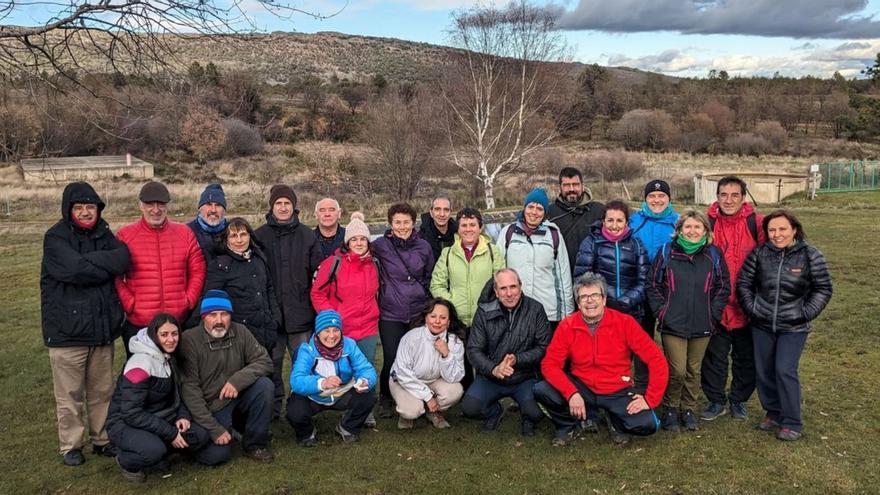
(685,38)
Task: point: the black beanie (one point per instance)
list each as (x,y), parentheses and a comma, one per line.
(658,186)
(281,191)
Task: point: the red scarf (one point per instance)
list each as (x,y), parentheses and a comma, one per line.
(329,353)
(469,251)
(82,225)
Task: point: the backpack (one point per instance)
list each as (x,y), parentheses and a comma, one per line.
(751,221)
(554,233)
(337,260)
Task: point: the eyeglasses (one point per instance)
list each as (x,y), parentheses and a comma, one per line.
(596,296)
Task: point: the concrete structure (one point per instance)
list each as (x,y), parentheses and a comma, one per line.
(765,187)
(74,168)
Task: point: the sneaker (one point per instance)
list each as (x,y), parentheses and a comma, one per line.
(405,424)
(617,436)
(768,424)
(311,440)
(712,411)
(260,455)
(131,476)
(689,421)
(370,422)
(106,450)
(670,419)
(589,426)
(386,409)
(74,457)
(347,436)
(738,411)
(527,428)
(788,435)
(437,420)
(491,423)
(563,437)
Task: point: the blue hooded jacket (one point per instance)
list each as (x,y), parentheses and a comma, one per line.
(351,365)
(653,232)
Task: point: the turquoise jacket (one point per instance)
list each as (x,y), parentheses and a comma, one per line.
(653,232)
(352,365)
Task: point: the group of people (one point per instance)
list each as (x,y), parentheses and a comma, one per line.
(558,313)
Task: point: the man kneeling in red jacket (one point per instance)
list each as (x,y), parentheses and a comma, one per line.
(588,365)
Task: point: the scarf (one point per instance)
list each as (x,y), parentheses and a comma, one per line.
(208,228)
(83,225)
(329,353)
(614,238)
(691,247)
(469,251)
(650,214)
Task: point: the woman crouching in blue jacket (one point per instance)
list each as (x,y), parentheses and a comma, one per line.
(330,372)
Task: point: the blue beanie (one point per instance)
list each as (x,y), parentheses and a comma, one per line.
(326,319)
(213,194)
(537,195)
(215,300)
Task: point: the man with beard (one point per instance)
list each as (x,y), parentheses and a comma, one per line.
(438,227)
(225,384)
(574,211)
(328,232)
(211,219)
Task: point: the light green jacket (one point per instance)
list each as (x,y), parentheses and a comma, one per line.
(461,282)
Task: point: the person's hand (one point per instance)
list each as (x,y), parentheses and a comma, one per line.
(576,407)
(179,442)
(228,392)
(331,382)
(433,405)
(510,359)
(502,371)
(362,386)
(182,424)
(223,439)
(637,404)
(442,347)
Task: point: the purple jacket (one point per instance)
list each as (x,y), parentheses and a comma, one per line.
(401,296)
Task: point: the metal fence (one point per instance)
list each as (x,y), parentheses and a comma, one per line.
(849,176)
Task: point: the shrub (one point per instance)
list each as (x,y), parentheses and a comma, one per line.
(646,129)
(19,132)
(746,143)
(202,132)
(698,134)
(722,117)
(775,135)
(242,139)
(613,166)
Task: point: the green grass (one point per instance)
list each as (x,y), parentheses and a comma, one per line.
(838,453)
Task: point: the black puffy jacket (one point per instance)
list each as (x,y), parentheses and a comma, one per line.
(78,299)
(782,290)
(249,285)
(574,221)
(688,292)
(438,241)
(624,264)
(293,255)
(497,331)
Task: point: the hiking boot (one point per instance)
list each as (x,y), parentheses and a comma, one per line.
(589,426)
(106,450)
(617,436)
(74,457)
(386,409)
(405,424)
(712,411)
(311,440)
(131,476)
(527,428)
(671,420)
(768,424)
(347,436)
(370,422)
(563,436)
(260,455)
(738,411)
(492,422)
(689,421)
(437,420)
(788,435)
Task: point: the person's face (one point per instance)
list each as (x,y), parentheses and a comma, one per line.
(533,214)
(359,245)
(508,290)
(780,232)
(168,335)
(282,209)
(238,240)
(85,213)
(437,320)
(469,230)
(591,302)
(657,201)
(217,323)
(571,188)
(440,212)
(212,213)
(330,337)
(327,213)
(730,198)
(693,230)
(614,221)
(155,213)
(401,225)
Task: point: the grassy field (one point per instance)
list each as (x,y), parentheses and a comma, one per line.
(838,453)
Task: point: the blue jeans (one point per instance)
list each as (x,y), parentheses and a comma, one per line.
(776,365)
(481,399)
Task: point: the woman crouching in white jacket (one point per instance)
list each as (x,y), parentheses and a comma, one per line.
(425,375)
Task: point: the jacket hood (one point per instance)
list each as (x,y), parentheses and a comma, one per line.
(714,211)
(79,192)
(274,223)
(141,343)
(582,203)
(428,224)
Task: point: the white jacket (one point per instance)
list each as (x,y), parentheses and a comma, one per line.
(418,363)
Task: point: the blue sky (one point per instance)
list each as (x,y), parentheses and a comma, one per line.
(675,37)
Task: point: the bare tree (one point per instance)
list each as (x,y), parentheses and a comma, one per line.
(498,88)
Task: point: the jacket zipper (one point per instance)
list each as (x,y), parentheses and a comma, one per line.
(617,269)
(778,281)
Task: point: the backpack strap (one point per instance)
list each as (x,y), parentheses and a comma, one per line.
(554,235)
(751,222)
(332,277)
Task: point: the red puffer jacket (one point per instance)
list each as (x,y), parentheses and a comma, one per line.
(733,238)
(602,360)
(167,271)
(353,293)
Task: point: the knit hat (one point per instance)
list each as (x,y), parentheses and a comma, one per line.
(281,191)
(213,194)
(326,319)
(537,195)
(657,186)
(356,227)
(215,300)
(154,192)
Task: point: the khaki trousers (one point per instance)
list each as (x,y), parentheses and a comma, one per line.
(82,376)
(410,407)
(684,357)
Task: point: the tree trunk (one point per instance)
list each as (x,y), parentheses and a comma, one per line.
(489,192)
